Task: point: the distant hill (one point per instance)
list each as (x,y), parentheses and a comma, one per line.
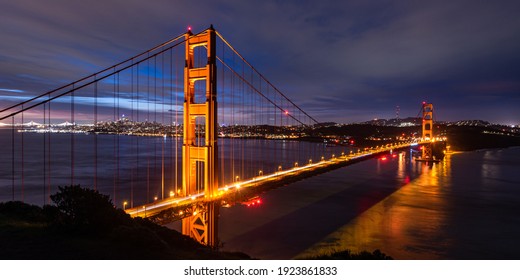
(395,122)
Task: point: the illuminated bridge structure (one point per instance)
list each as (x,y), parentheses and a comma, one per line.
(170,134)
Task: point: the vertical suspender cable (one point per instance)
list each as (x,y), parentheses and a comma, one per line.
(176,131)
(132,117)
(95,134)
(114,141)
(155,123)
(251,125)
(118,140)
(23,160)
(170,128)
(272,159)
(233,100)
(148,121)
(243,138)
(222,93)
(44,153)
(162,125)
(49,151)
(136,122)
(170,122)
(12,158)
(72,137)
(262,133)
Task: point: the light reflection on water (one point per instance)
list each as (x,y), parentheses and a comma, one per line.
(462,208)
(407,224)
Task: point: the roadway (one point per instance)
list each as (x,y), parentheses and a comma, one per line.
(279,177)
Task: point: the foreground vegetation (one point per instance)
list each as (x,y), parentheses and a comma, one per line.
(348,255)
(84,224)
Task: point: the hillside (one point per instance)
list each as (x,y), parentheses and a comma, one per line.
(85,225)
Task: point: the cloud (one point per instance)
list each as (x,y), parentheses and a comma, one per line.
(364,55)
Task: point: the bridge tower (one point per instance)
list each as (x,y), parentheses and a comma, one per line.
(427,130)
(199,151)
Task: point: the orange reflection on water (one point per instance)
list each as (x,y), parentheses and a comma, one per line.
(408,224)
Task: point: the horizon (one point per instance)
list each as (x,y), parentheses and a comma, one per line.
(61,121)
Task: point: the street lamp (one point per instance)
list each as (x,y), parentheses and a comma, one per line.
(124,205)
(260,173)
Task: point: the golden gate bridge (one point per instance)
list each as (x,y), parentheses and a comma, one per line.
(170,133)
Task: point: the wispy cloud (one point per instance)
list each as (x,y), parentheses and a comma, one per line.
(12,90)
(365,55)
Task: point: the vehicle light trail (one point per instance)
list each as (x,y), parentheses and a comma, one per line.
(156,207)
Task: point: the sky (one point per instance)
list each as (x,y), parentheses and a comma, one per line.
(340,61)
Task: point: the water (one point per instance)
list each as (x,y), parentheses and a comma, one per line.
(465,207)
(130,168)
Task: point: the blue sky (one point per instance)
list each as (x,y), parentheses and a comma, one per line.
(343,61)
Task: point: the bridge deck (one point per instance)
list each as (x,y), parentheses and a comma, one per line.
(280,177)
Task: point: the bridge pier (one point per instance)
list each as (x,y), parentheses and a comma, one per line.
(203,224)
